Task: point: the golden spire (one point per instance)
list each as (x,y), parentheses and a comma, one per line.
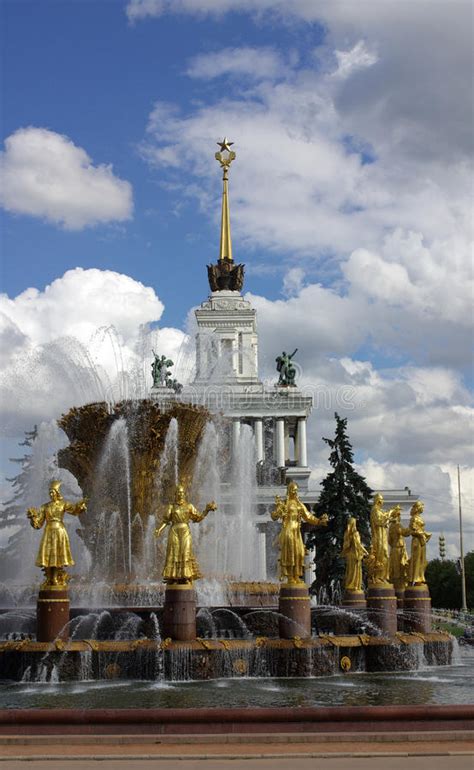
(225,156)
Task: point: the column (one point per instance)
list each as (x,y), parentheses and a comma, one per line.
(258,431)
(302,456)
(235,437)
(280,441)
(262,555)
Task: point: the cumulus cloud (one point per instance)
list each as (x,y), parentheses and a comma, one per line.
(44,174)
(436,486)
(257,63)
(346,189)
(293,281)
(85,337)
(356,58)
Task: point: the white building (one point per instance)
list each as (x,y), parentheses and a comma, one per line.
(227,381)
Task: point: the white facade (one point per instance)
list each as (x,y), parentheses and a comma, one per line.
(227,380)
(227,342)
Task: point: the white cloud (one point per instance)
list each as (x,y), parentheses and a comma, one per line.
(80,302)
(436,485)
(293,281)
(44,174)
(356,58)
(85,337)
(257,63)
(398,229)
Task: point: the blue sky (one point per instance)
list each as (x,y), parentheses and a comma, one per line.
(81,69)
(350,201)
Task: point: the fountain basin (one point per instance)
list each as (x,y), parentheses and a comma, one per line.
(204,659)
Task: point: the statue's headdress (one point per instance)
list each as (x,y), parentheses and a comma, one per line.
(55,484)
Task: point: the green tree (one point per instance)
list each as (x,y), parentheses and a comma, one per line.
(12,516)
(469,569)
(345,493)
(444,583)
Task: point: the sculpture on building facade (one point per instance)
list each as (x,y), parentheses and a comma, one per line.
(180,562)
(292,512)
(286,369)
(353,551)
(419,538)
(160,371)
(162,375)
(55,551)
(378,558)
(398,560)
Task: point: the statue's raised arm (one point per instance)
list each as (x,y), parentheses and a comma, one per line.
(180,563)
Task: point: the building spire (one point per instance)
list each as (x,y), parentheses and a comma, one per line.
(225,275)
(225,156)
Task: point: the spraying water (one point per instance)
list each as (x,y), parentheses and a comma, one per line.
(112,493)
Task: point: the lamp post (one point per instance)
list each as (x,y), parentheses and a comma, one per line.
(461,548)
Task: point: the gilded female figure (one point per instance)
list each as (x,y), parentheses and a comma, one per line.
(54,551)
(398,562)
(379,560)
(292,512)
(419,538)
(180,563)
(353,552)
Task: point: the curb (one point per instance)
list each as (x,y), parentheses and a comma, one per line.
(206,757)
(238,738)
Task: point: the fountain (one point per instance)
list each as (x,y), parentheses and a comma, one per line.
(138,606)
(165,630)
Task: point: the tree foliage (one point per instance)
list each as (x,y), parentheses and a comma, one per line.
(345,493)
(444,582)
(12,515)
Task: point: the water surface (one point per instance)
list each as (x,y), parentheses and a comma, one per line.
(433,685)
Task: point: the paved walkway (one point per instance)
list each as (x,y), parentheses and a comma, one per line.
(239,763)
(427,750)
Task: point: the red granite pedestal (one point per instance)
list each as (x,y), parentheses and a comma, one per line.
(354,600)
(52,614)
(400,594)
(417,607)
(382,608)
(179,612)
(295,606)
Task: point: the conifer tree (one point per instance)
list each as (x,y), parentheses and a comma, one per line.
(344,494)
(13,512)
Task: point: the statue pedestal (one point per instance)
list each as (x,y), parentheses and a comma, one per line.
(52,614)
(382,608)
(179,612)
(354,600)
(417,607)
(294,604)
(400,594)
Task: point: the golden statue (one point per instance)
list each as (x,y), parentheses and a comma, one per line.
(54,551)
(353,552)
(419,538)
(291,511)
(378,559)
(180,564)
(398,561)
